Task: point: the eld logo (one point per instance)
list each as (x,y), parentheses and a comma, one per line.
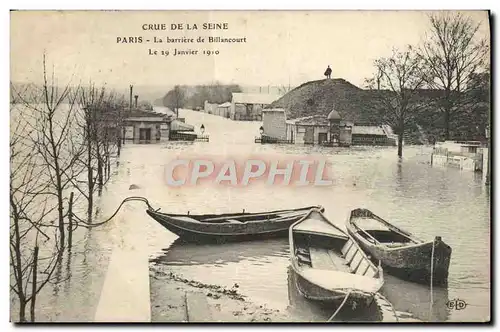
(456,304)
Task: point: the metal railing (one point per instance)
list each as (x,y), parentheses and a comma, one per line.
(271,140)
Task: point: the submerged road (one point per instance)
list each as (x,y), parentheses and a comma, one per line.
(106,276)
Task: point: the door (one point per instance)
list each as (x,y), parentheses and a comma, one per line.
(309,135)
(322,137)
(145,135)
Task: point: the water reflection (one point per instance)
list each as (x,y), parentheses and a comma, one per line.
(415,298)
(180,253)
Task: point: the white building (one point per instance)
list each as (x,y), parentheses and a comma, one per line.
(249,106)
(465,155)
(274,123)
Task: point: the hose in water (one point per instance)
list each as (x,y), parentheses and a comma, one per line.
(340,307)
(128,199)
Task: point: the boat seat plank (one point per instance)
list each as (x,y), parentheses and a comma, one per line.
(371,272)
(358,257)
(339,262)
(363,267)
(350,254)
(304,259)
(325,259)
(348,245)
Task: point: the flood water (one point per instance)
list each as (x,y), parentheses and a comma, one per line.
(422,199)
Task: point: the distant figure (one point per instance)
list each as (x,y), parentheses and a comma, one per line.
(328,72)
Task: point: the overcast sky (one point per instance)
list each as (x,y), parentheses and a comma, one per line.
(282,47)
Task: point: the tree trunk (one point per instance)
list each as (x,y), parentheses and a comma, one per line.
(401,133)
(400,144)
(33,284)
(70,221)
(58,185)
(119,146)
(99,173)
(22,310)
(90,203)
(447,123)
(108,168)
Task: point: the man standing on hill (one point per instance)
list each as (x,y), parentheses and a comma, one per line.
(328,72)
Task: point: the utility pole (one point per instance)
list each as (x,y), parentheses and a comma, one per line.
(131,89)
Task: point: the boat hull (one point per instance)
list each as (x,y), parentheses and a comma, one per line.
(314,292)
(200,232)
(413,262)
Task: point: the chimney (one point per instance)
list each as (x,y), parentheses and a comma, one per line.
(136,97)
(131,88)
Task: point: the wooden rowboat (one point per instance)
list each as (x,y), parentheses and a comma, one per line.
(330,266)
(401,253)
(231,226)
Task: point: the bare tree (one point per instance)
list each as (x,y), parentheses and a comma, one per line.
(52,145)
(100,123)
(34,249)
(175,99)
(453,53)
(53,136)
(400,76)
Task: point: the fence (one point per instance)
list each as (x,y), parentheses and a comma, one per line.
(190,137)
(271,140)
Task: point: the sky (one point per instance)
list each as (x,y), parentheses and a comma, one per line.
(282,47)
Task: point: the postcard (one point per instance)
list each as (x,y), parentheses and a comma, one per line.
(250,166)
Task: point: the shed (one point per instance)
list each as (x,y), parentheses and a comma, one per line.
(248,106)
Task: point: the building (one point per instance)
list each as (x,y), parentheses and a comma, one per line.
(274,123)
(181,131)
(312,129)
(323,130)
(345,133)
(249,106)
(372,135)
(210,108)
(224,110)
(464,155)
(141,126)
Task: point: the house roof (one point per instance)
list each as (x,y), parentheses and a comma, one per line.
(279,110)
(254,98)
(334,115)
(312,120)
(177,125)
(368,130)
(137,113)
(346,123)
(226,104)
